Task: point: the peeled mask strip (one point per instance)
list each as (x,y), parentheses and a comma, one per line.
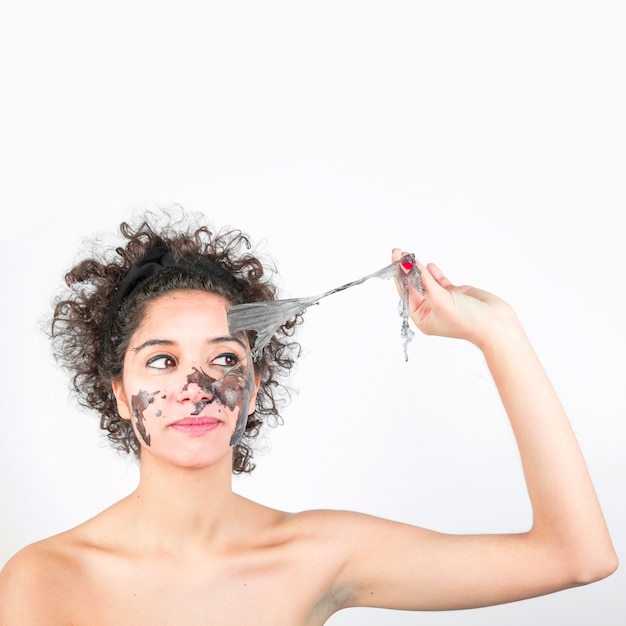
(265,318)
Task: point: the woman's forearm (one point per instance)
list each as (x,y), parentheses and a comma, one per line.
(566,511)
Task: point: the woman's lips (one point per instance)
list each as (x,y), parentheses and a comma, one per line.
(196,425)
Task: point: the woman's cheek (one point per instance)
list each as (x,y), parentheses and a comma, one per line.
(146,405)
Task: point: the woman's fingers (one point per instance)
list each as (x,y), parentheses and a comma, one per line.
(429,282)
(439,276)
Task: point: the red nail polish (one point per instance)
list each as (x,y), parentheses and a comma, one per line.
(407,265)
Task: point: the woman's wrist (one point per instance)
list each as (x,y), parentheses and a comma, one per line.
(502,331)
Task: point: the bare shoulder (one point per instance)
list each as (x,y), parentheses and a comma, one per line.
(37,580)
(339,525)
(316,525)
(37,583)
(343,531)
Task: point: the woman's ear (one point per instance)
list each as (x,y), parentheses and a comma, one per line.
(123,406)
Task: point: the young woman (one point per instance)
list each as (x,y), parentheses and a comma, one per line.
(143,330)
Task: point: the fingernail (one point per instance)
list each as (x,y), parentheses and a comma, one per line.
(407,261)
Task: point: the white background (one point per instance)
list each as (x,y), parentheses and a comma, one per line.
(486,136)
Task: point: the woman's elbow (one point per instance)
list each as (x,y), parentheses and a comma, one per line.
(594,567)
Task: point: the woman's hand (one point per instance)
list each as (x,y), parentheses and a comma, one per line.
(448,310)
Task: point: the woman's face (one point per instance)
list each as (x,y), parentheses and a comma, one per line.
(188,385)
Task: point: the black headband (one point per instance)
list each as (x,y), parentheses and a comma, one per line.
(154,262)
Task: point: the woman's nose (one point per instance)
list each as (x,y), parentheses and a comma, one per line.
(193,392)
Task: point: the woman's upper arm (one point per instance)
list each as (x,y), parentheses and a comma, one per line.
(398,566)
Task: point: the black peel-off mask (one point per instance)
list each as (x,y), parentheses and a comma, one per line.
(232,388)
(139,404)
(266,317)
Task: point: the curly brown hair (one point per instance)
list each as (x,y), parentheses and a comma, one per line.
(89,339)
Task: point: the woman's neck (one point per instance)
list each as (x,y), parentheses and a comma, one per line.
(176,507)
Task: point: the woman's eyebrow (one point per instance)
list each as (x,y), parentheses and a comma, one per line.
(226,338)
(169,342)
(153,342)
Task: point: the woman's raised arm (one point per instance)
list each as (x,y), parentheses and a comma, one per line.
(400,566)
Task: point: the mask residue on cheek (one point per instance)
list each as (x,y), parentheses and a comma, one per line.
(139,404)
(233,391)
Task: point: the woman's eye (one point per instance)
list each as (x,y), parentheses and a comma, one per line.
(161,361)
(227,359)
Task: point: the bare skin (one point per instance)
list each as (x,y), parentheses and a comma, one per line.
(184,549)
